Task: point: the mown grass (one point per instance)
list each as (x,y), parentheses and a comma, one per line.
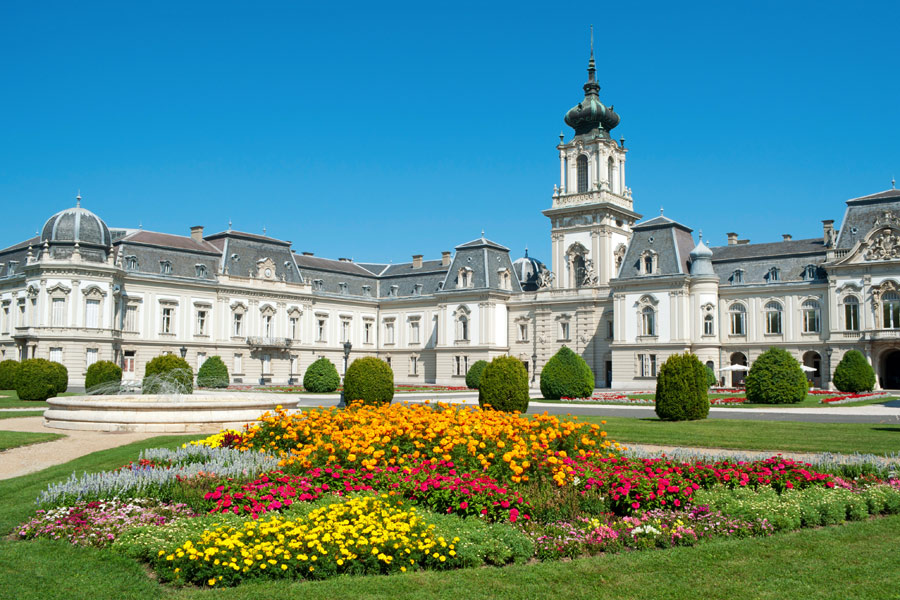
(10,399)
(20,414)
(811,401)
(16,439)
(845,438)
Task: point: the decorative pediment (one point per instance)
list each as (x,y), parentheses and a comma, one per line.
(93,290)
(848,287)
(265,269)
(238,307)
(267,309)
(647,300)
(58,289)
(33,291)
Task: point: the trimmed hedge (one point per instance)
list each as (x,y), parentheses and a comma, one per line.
(776,378)
(36,379)
(853,374)
(566,375)
(321,377)
(681,389)
(504,385)
(102,371)
(213,373)
(60,377)
(473,377)
(369,379)
(8,370)
(172,374)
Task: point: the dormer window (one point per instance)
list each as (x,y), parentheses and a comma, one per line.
(367,291)
(131,263)
(649,263)
(810,272)
(318,285)
(417,289)
(505,279)
(201,271)
(737,277)
(394,290)
(772,275)
(165,267)
(12,267)
(342,286)
(466,277)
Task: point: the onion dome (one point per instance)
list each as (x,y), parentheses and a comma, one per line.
(528,271)
(76,225)
(701,259)
(591,115)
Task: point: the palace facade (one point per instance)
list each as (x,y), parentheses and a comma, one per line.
(624,293)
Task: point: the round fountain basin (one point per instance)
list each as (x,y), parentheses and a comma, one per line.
(206,412)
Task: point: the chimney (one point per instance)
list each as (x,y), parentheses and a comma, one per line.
(445,259)
(828,232)
(345,259)
(197,233)
(787,237)
(417,261)
(307,254)
(732,239)
(742,242)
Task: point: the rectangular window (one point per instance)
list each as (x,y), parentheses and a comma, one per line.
(708,326)
(413,365)
(201,322)
(20,322)
(563,330)
(389,332)
(345,330)
(647,365)
(131,318)
(523,332)
(6,320)
(810,320)
(267,326)
(56,354)
(458,363)
(238,365)
(90,357)
(92,314)
(738,323)
(320,330)
(609,330)
(58,313)
(293,364)
(238,325)
(128,361)
(267,364)
(413,332)
(367,332)
(167,316)
(292,328)
(851,316)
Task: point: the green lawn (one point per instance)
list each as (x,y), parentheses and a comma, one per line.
(826,563)
(811,401)
(10,399)
(18,414)
(14,439)
(846,438)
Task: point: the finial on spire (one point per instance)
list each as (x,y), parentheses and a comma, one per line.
(140,224)
(591,70)
(78,200)
(482,233)
(893,183)
(229,224)
(701,236)
(526,251)
(264,230)
(660,211)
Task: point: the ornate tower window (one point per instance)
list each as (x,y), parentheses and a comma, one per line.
(851,313)
(773,317)
(581,166)
(709,325)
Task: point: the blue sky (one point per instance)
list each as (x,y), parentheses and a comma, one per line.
(378,131)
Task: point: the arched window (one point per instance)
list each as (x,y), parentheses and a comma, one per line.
(462,324)
(578,269)
(709,325)
(891,310)
(648,262)
(851,313)
(810,310)
(582,166)
(773,317)
(773,274)
(610,171)
(648,321)
(738,314)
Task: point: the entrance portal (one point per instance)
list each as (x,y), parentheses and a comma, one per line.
(890,371)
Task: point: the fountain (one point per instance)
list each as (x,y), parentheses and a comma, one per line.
(170,408)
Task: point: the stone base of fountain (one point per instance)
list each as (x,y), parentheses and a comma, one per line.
(203,412)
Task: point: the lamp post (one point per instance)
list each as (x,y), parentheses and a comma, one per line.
(828,353)
(183,351)
(347,347)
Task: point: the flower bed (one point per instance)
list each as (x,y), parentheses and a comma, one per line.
(616,398)
(848,398)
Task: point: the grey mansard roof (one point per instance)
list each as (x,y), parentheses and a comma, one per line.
(18,253)
(150,250)
(756,260)
(487,260)
(861,215)
(669,240)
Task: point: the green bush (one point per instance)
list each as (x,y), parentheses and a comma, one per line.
(853,374)
(711,378)
(504,385)
(776,378)
(213,373)
(60,377)
(321,377)
(168,374)
(102,371)
(473,377)
(36,379)
(681,389)
(566,375)
(369,379)
(8,370)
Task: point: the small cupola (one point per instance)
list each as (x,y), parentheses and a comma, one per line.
(590,117)
(701,259)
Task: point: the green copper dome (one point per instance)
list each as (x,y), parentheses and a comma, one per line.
(591,115)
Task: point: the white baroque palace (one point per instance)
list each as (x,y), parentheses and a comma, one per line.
(622,292)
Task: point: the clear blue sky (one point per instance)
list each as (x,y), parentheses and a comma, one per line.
(377,131)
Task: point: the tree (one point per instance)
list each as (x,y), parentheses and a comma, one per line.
(102,371)
(681,389)
(321,377)
(566,375)
(369,379)
(213,373)
(776,378)
(504,385)
(853,374)
(473,377)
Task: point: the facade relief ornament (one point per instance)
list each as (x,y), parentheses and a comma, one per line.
(545,278)
(885,246)
(590,277)
(619,254)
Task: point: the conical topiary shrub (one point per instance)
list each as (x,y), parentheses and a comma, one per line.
(566,375)
(321,377)
(213,373)
(854,374)
(681,389)
(776,378)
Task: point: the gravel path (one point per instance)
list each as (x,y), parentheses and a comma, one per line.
(36,457)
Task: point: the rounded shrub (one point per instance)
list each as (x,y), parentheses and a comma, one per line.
(776,378)
(60,376)
(167,374)
(321,377)
(213,373)
(369,379)
(504,385)
(711,378)
(566,375)
(853,374)
(681,389)
(473,377)
(36,379)
(102,371)
(8,370)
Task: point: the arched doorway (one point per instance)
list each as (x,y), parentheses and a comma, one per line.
(890,371)
(738,375)
(813,360)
